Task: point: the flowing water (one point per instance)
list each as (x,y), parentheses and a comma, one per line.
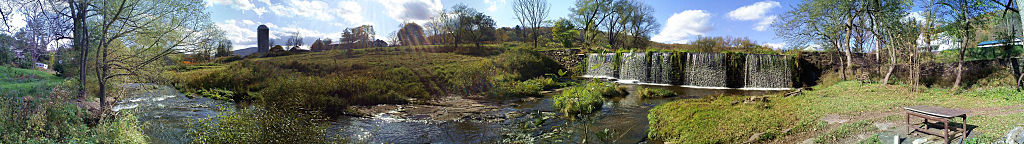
(767,71)
(163,110)
(625,115)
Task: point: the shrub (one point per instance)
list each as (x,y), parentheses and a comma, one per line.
(653,92)
(42,120)
(587,98)
(123,128)
(528,64)
(579,100)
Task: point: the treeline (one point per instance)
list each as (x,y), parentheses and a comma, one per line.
(886,29)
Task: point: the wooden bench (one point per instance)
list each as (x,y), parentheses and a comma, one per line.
(938,114)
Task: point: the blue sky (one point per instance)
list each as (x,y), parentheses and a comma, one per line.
(681,20)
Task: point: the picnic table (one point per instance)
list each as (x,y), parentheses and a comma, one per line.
(938,114)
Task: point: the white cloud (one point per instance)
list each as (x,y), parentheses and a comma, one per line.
(682,26)
(763,25)
(417,11)
(494,4)
(239,4)
(241,34)
(266,2)
(775,45)
(347,10)
(754,11)
(917,15)
(245,5)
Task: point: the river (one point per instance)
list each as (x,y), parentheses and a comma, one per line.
(165,110)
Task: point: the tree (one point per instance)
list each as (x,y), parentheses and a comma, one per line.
(588,14)
(359,37)
(960,16)
(641,23)
(564,32)
(828,23)
(128,42)
(472,25)
(531,13)
(224,48)
(294,41)
(393,39)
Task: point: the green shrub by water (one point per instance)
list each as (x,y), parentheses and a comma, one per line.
(52,118)
(654,92)
(586,98)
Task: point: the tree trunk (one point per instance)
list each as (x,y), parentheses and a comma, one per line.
(960,65)
(81,42)
(1020,83)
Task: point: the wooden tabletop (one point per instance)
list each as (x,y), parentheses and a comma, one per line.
(937,111)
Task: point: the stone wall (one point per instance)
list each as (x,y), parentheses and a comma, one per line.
(569,59)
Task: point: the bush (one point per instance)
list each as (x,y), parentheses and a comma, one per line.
(649,92)
(587,98)
(42,119)
(579,100)
(528,64)
(124,128)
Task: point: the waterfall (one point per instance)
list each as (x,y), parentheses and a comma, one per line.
(756,71)
(601,65)
(705,70)
(767,71)
(634,67)
(661,69)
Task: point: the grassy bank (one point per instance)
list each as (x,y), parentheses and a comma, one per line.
(720,120)
(38,107)
(329,81)
(25,82)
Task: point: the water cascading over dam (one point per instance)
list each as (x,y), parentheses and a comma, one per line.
(705,70)
(748,71)
(634,67)
(601,65)
(662,69)
(767,71)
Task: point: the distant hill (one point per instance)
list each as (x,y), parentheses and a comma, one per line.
(245,51)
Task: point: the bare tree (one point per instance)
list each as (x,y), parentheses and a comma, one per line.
(294,41)
(531,14)
(133,34)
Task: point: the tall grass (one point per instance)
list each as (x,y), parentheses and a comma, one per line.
(332,80)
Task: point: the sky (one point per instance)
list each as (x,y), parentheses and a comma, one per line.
(681,20)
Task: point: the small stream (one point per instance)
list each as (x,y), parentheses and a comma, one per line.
(165,110)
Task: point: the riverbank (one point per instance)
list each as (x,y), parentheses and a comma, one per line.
(331,81)
(39,107)
(846,112)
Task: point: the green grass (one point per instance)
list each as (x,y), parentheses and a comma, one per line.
(716,120)
(25,82)
(332,80)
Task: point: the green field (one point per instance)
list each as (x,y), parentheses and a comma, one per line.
(329,81)
(719,120)
(25,82)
